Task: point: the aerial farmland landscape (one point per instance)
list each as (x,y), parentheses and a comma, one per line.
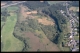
(28,26)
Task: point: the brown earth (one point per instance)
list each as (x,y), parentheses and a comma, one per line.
(3,3)
(45,21)
(25,14)
(36,43)
(23,9)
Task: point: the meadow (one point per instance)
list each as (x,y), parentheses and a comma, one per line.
(10,43)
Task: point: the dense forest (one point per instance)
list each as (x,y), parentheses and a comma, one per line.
(74,3)
(60,20)
(34,5)
(4,15)
(53,33)
(54,13)
(20,28)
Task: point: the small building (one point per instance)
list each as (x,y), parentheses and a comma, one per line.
(74,49)
(69,44)
(62,11)
(75,28)
(71,36)
(77,17)
(71,40)
(75,33)
(77,41)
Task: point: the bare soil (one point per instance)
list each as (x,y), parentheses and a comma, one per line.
(74,8)
(44,21)
(36,43)
(25,14)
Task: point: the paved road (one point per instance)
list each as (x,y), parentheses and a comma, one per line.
(12,4)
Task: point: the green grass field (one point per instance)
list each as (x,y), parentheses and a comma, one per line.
(10,43)
(76,37)
(12,8)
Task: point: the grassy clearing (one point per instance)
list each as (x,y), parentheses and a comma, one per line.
(67,30)
(12,8)
(40,33)
(68,26)
(44,21)
(10,43)
(76,37)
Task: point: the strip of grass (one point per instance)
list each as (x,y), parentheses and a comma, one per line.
(12,8)
(10,43)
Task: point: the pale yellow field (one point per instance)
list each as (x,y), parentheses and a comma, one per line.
(74,9)
(45,21)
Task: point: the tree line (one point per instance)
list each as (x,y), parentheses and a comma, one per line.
(35,4)
(60,20)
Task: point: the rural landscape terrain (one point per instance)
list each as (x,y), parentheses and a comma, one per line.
(39,26)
